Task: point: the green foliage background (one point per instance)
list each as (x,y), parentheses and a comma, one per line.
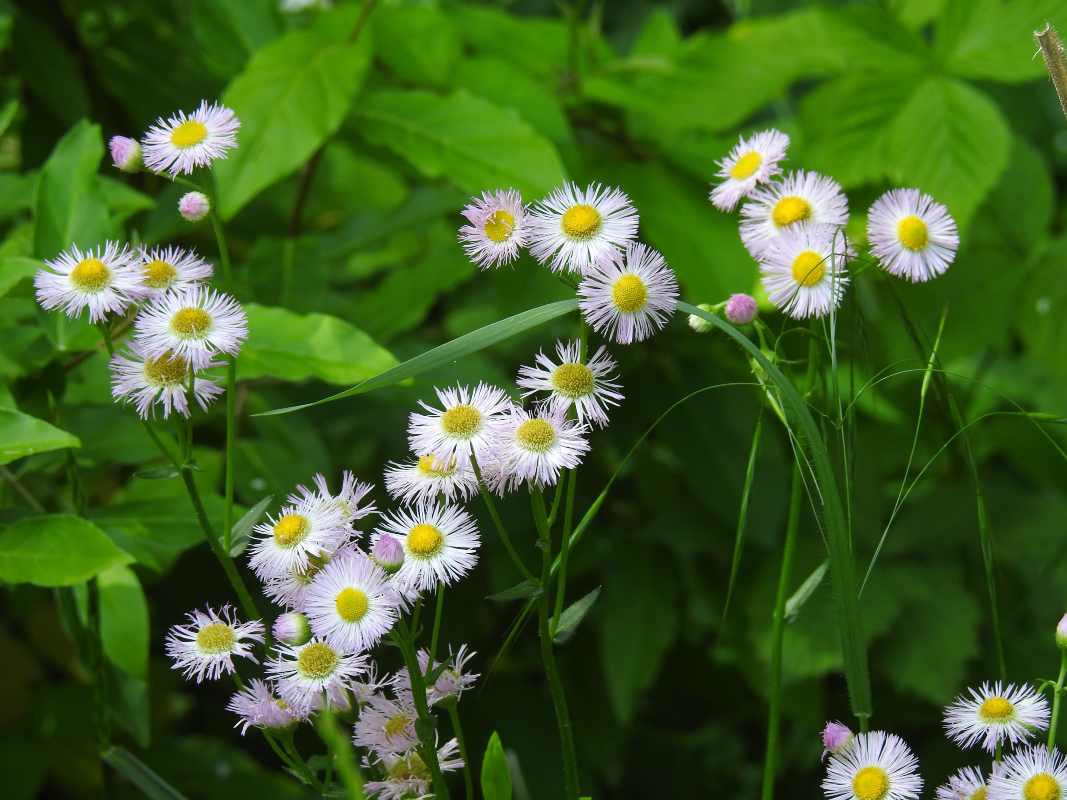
(437,101)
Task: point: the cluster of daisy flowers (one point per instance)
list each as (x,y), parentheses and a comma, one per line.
(793,226)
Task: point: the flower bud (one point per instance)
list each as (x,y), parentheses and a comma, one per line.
(292,628)
(125,153)
(1061,633)
(835,738)
(194,206)
(699,324)
(387,553)
(741,309)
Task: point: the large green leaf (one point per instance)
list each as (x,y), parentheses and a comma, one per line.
(14,269)
(228,32)
(124,620)
(295,347)
(536,44)
(23,435)
(417,42)
(470,141)
(496,780)
(55,550)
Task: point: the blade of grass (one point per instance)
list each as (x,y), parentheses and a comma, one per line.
(140,774)
(742,514)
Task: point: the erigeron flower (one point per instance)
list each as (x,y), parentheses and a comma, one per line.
(291,628)
(197,324)
(803,270)
(125,153)
(801,197)
(741,309)
(451,681)
(835,737)
(301,532)
(194,206)
(161,382)
(440,544)
(751,162)
(387,725)
(257,706)
(351,603)
(534,446)
(171,269)
(1031,773)
(587,384)
(183,142)
(498,228)
(310,674)
(407,776)
(573,228)
(965,784)
(912,235)
(464,427)
(628,296)
(207,645)
(427,477)
(996,714)
(368,685)
(877,766)
(347,500)
(103,279)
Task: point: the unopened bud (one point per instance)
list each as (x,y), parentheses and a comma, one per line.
(835,738)
(387,553)
(125,153)
(292,628)
(741,309)
(194,206)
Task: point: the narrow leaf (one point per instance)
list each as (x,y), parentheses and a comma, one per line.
(807,588)
(573,615)
(243,527)
(496,779)
(520,591)
(140,774)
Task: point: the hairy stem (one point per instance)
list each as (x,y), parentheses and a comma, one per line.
(1054,722)
(1052,50)
(424,725)
(457,729)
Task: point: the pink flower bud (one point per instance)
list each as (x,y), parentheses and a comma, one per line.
(194,206)
(741,309)
(1061,632)
(835,736)
(125,153)
(387,553)
(292,628)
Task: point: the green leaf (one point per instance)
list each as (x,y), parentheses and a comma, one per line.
(440,137)
(295,347)
(164,473)
(292,97)
(227,32)
(124,620)
(49,67)
(536,44)
(23,435)
(122,200)
(417,42)
(496,779)
(573,615)
(55,550)
(243,527)
(14,269)
(801,596)
(531,587)
(140,774)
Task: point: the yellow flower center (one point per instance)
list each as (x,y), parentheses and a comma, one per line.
(746,165)
(215,639)
(91,275)
(318,661)
(499,225)
(410,767)
(159,274)
(979,794)
(396,725)
(351,604)
(166,370)
(188,133)
(191,323)
(808,268)
(428,465)
(290,530)
(789,210)
(996,709)
(462,421)
(573,380)
(536,435)
(1041,787)
(870,783)
(581,221)
(629,293)
(912,233)
(425,540)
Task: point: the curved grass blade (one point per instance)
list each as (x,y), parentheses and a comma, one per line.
(742,514)
(140,774)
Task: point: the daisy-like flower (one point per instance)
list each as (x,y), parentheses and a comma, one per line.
(172,269)
(368,686)
(573,228)
(465,426)
(452,681)
(407,776)
(183,142)
(351,603)
(310,674)
(800,197)
(440,544)
(534,446)
(387,725)
(497,229)
(629,296)
(912,235)
(206,646)
(302,531)
(752,161)
(347,500)
(162,381)
(196,324)
(103,279)
(257,706)
(427,477)
(1032,773)
(965,784)
(588,385)
(877,766)
(803,270)
(1001,713)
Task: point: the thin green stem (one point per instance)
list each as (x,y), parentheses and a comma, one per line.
(21,490)
(457,730)
(742,514)
(224,250)
(1055,721)
(424,725)
(341,750)
(438,612)
(490,505)
(231,436)
(565,548)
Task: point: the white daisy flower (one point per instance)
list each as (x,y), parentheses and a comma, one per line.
(206,646)
(465,426)
(387,725)
(1031,773)
(498,228)
(996,714)
(629,296)
(162,382)
(171,269)
(574,228)
(777,207)
(751,162)
(965,784)
(440,544)
(183,142)
(257,706)
(588,385)
(351,603)
(347,500)
(301,532)
(289,589)
(912,235)
(803,270)
(534,446)
(196,324)
(369,685)
(103,280)
(427,477)
(407,775)
(451,682)
(876,766)
(309,674)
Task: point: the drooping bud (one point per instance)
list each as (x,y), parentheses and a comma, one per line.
(125,153)
(194,206)
(387,554)
(1061,633)
(835,738)
(741,309)
(292,628)
(699,324)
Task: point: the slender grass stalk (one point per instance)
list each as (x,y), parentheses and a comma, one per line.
(342,754)
(1055,721)
(565,546)
(742,514)
(490,505)
(231,443)
(457,730)
(438,612)
(424,725)
(224,251)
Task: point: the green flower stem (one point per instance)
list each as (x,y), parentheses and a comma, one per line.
(565,547)
(1054,723)
(437,614)
(341,750)
(280,752)
(224,251)
(457,730)
(424,725)
(490,505)
(231,436)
